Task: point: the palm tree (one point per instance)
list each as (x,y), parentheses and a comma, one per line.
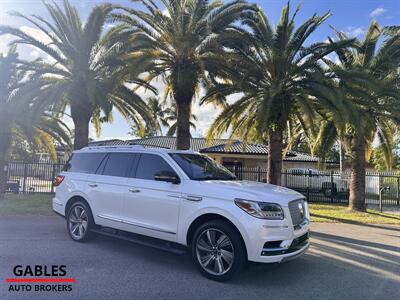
(84,66)
(279,79)
(172,117)
(158,114)
(162,117)
(183,43)
(366,76)
(22,112)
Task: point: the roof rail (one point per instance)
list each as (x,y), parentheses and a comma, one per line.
(114,147)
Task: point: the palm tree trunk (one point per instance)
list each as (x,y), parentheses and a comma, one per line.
(81,118)
(183,125)
(275,148)
(357,177)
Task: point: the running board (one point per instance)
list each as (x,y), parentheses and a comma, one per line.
(142,240)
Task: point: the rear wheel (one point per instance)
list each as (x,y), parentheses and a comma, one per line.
(218,250)
(80,222)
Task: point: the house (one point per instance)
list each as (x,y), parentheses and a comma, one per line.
(229,153)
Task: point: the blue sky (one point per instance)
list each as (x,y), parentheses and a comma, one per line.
(350,16)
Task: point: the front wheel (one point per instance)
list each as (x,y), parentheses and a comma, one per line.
(218,250)
(80,222)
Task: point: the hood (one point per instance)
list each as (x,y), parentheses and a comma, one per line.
(249,190)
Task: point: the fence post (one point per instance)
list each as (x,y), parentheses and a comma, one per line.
(397,191)
(285,177)
(331,186)
(308,185)
(259,174)
(379,188)
(53,174)
(25,177)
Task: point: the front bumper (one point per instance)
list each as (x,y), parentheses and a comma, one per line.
(281,255)
(275,241)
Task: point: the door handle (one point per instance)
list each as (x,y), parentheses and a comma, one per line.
(92,185)
(193,198)
(134,190)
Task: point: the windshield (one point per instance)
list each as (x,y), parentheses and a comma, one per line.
(201,167)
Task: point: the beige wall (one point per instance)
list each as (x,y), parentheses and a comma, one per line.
(253,161)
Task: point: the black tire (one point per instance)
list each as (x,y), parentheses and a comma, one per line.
(78,234)
(219,252)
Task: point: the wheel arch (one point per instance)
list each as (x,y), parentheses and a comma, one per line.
(206,217)
(75,199)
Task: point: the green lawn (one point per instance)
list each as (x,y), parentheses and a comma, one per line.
(35,204)
(40,204)
(334,213)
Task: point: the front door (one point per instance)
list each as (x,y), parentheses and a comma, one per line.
(152,207)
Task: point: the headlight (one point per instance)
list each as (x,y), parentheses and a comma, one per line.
(262,210)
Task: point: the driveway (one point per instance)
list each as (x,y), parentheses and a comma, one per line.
(344,262)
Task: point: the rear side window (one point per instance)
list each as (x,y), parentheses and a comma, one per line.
(149,165)
(85,162)
(118,164)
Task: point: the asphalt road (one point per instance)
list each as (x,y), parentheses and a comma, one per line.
(344,262)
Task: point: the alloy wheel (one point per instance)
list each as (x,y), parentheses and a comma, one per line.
(215,251)
(78,222)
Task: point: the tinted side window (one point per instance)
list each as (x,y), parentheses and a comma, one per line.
(149,165)
(85,162)
(118,164)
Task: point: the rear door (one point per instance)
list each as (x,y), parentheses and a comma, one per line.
(108,188)
(152,207)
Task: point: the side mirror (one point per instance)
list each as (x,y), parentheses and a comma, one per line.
(167,176)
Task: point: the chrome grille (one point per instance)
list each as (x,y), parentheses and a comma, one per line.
(297,211)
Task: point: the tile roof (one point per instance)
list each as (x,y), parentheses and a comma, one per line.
(201,145)
(112,142)
(196,144)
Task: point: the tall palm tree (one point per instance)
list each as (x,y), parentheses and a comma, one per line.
(23,113)
(172,121)
(279,78)
(158,113)
(183,43)
(84,66)
(366,76)
(162,117)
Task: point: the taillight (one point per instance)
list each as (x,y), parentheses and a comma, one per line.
(57,181)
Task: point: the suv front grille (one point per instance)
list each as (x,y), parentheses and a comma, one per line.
(297,211)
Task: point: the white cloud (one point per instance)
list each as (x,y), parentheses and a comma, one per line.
(34,54)
(36,33)
(4,41)
(377,12)
(205,114)
(165,12)
(354,31)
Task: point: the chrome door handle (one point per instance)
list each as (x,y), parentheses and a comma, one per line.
(134,190)
(92,184)
(193,198)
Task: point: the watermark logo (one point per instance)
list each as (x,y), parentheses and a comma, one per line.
(39,278)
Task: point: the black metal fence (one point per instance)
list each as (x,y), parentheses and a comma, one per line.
(330,186)
(32,177)
(317,186)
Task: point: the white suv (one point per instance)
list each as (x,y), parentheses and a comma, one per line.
(185,198)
